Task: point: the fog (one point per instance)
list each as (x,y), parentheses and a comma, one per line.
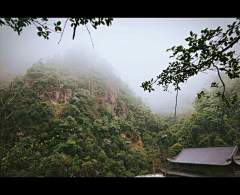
(135,48)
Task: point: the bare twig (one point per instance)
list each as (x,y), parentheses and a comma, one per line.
(220,79)
(176,102)
(90,35)
(11,99)
(223,96)
(63,31)
(238,57)
(34,23)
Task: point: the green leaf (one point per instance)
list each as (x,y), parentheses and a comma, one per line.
(7,19)
(20,24)
(39,28)
(199,96)
(59,23)
(237,32)
(1,22)
(23,19)
(213,84)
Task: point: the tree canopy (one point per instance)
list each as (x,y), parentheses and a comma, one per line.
(204,53)
(43,28)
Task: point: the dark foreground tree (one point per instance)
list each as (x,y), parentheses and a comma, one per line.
(42,26)
(17,152)
(203,54)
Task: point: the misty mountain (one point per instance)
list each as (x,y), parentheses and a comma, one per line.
(86,112)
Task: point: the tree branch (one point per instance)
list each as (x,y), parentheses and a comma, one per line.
(176,102)
(6,117)
(220,79)
(204,63)
(236,40)
(223,96)
(90,35)
(63,31)
(43,26)
(11,99)
(74,30)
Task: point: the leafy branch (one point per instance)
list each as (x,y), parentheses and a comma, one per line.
(201,55)
(43,29)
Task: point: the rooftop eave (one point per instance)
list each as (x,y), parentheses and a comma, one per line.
(199,163)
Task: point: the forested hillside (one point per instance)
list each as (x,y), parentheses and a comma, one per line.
(77,121)
(207,125)
(69,118)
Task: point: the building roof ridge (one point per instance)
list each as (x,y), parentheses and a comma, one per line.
(212,146)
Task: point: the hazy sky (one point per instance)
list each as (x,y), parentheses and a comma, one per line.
(136,47)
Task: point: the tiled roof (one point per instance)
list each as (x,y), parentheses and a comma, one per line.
(208,155)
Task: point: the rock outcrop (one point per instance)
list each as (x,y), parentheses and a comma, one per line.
(55,96)
(52,95)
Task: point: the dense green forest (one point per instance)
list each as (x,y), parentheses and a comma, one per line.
(67,118)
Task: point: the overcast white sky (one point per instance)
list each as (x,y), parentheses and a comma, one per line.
(136,47)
